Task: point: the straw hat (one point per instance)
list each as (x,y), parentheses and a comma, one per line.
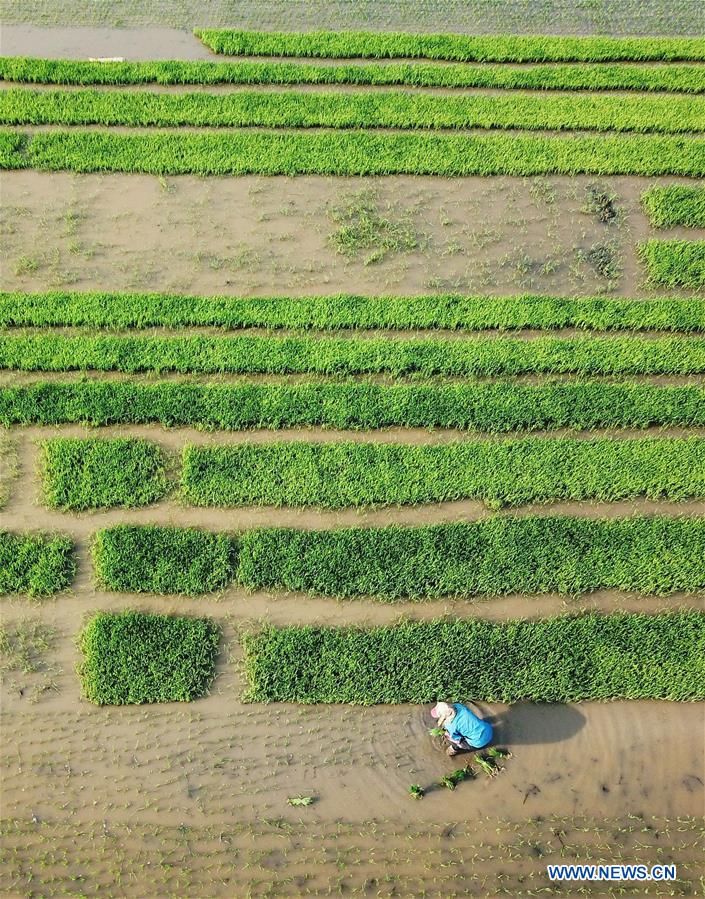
(442,712)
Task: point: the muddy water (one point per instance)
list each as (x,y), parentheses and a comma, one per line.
(264,236)
(85,42)
(589,759)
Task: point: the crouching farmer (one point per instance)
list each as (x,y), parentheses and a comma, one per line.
(464,731)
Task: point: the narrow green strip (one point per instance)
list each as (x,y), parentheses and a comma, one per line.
(675,263)
(358,153)
(37,565)
(584,76)
(501,555)
(344,356)
(677,204)
(290,109)
(152,559)
(134,657)
(80,474)
(570,556)
(449,311)
(334,475)
(492,408)
(491,48)
(631,656)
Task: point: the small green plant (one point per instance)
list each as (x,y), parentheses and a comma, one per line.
(600,202)
(362,227)
(9,466)
(300,801)
(23,647)
(486,764)
(488,760)
(416,791)
(495,752)
(451,781)
(604,259)
(436,732)
(26,265)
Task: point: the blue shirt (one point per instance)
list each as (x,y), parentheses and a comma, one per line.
(466,724)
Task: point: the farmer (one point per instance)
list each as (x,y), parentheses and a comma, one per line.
(463,729)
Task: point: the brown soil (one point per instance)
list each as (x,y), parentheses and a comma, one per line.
(265,236)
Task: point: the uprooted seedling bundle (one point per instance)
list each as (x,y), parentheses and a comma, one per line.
(489,760)
(451,781)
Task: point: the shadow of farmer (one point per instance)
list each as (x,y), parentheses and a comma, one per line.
(528,723)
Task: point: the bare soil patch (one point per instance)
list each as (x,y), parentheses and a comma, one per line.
(316,235)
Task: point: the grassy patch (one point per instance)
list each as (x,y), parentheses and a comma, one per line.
(81,474)
(324,355)
(586,76)
(497,408)
(675,263)
(279,152)
(37,565)
(291,109)
(499,556)
(149,559)
(133,657)
(343,311)
(493,557)
(11,150)
(335,475)
(465,48)
(363,231)
(632,656)
(677,204)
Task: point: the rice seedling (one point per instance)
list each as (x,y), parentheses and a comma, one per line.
(489,407)
(134,657)
(452,312)
(354,152)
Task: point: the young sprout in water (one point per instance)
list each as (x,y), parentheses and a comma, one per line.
(300,800)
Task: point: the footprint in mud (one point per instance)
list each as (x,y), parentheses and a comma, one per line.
(693,783)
